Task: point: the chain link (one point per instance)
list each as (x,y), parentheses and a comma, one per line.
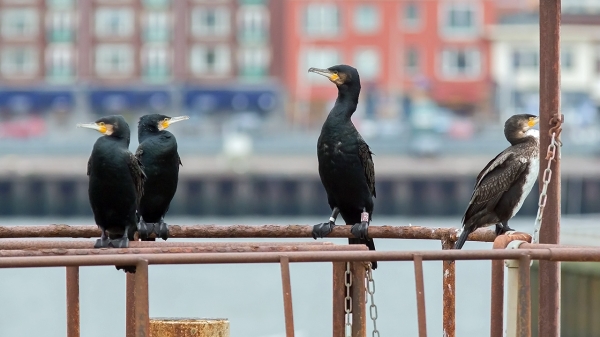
(348,301)
(373,306)
(546,178)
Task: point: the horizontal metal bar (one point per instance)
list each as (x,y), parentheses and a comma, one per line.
(179,250)
(558,254)
(11,244)
(249,231)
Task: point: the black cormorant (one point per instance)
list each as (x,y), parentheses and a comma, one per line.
(345,164)
(158,154)
(116,182)
(505,182)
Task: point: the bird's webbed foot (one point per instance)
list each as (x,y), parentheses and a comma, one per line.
(142,228)
(502,228)
(103,242)
(162,230)
(361,230)
(120,243)
(323,229)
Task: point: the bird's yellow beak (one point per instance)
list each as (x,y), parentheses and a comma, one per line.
(165,123)
(325,72)
(533,121)
(100,127)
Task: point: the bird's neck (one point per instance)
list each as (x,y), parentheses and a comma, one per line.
(143,134)
(346,103)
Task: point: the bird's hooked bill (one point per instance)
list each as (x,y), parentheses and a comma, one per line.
(168,121)
(324,72)
(95,126)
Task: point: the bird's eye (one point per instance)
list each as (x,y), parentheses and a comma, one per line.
(165,120)
(101,123)
(335,72)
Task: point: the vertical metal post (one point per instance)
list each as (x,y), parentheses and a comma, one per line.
(524,305)
(130,305)
(339,295)
(512,298)
(73,324)
(359,297)
(549,316)
(449,284)
(497,301)
(142,318)
(287,296)
(421,313)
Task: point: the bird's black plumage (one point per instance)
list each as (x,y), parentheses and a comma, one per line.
(505,181)
(116,180)
(345,164)
(158,154)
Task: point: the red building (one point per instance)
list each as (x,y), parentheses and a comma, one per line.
(400,47)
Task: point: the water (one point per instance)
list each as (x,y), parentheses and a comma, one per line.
(250,295)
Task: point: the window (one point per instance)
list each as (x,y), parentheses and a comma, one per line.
(459,18)
(19,61)
(19,22)
(210,60)
(115,22)
(114,59)
(60,26)
(156,4)
(211,21)
(60,4)
(461,62)
(60,63)
(566,58)
(411,15)
(156,64)
(254,62)
(368,61)
(525,59)
(319,58)
(321,20)
(253,23)
(157,27)
(366,18)
(411,61)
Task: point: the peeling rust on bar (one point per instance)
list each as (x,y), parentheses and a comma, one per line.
(142,318)
(359,297)
(524,305)
(73,322)
(287,296)
(248,231)
(449,291)
(420,289)
(339,294)
(130,305)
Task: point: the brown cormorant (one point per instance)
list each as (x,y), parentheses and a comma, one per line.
(345,164)
(116,182)
(158,154)
(505,182)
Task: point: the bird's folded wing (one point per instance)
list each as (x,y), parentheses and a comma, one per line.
(364,152)
(137,173)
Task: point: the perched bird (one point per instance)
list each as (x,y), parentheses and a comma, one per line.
(505,182)
(158,154)
(116,183)
(345,164)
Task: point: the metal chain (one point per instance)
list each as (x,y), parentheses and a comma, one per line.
(348,301)
(373,306)
(547,177)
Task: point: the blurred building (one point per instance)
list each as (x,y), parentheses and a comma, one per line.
(126,56)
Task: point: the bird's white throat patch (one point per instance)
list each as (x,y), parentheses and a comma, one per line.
(533,132)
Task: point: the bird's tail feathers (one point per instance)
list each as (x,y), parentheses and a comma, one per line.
(368,242)
(463,237)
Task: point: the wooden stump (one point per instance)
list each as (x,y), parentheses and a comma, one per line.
(184,327)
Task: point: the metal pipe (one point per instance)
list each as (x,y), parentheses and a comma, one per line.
(359,314)
(142,316)
(248,231)
(421,313)
(524,306)
(188,327)
(130,305)
(73,322)
(497,300)
(549,272)
(287,296)
(339,294)
(177,250)
(13,244)
(449,290)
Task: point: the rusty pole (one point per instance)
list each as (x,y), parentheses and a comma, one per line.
(420,287)
(130,305)
(549,314)
(359,297)
(73,324)
(142,313)
(339,298)
(449,297)
(287,296)
(524,304)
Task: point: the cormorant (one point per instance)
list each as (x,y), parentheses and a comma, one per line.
(345,164)
(158,154)
(116,183)
(505,182)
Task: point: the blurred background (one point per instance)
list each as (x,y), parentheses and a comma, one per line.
(439,78)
